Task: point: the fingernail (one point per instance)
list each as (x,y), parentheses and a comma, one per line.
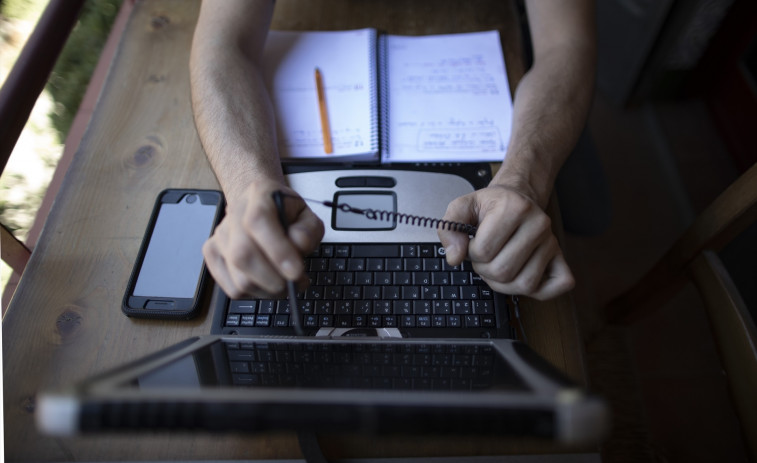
(290,269)
(452,250)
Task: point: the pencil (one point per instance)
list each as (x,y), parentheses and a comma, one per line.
(325,128)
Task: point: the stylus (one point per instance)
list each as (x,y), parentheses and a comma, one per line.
(294,310)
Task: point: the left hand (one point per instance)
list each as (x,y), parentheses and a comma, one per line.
(514,250)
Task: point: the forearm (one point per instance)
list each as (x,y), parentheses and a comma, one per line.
(232,109)
(550,106)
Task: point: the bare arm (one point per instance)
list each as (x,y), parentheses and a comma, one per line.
(553,98)
(249,254)
(514,249)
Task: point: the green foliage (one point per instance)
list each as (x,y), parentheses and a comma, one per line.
(25,10)
(70,77)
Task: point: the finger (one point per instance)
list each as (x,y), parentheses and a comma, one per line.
(218,268)
(223,273)
(455,243)
(541,279)
(307,231)
(262,225)
(498,226)
(249,266)
(557,280)
(533,240)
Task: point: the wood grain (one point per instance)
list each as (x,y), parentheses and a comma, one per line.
(65,322)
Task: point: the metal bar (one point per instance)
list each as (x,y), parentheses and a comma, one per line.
(30,73)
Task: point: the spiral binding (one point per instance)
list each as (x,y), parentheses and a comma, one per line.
(408,219)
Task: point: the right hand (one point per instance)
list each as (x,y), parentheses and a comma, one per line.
(249,255)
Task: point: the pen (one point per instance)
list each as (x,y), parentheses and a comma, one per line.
(294,310)
(325,128)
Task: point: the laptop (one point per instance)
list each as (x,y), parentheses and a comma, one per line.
(383,274)
(395,340)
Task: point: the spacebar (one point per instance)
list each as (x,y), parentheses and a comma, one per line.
(375,250)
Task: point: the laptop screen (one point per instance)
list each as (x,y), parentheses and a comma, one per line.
(336,365)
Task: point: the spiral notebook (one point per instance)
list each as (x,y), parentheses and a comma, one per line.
(389,98)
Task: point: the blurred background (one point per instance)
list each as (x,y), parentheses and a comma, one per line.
(29,171)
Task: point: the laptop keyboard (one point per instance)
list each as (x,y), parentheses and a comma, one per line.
(363,366)
(404,286)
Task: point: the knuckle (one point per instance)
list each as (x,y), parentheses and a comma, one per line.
(505,273)
(529,284)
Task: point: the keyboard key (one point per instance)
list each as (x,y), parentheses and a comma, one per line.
(413,265)
(390,292)
(363,307)
(374,264)
(450,292)
(440,278)
(390,285)
(403,308)
(483,307)
(460,278)
(403,278)
(442,307)
(422,307)
(408,321)
(427,250)
(430,292)
(394,265)
(247,320)
(411,292)
(242,306)
(372,292)
(432,265)
(343,308)
(421,278)
(356,265)
(266,307)
(281,321)
(324,307)
(472,321)
(382,307)
(338,265)
(353,292)
(375,250)
(469,292)
(327,251)
(409,250)
(325,278)
(383,278)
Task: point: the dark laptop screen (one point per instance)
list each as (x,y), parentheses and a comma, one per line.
(335,365)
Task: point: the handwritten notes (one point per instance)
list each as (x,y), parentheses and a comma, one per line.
(444,98)
(346,61)
(448,98)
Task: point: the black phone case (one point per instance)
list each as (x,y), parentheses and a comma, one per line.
(200,300)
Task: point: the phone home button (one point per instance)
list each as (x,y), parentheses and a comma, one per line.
(160,304)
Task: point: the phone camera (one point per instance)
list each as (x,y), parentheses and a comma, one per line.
(191,199)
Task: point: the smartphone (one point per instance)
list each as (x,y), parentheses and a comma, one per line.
(169,275)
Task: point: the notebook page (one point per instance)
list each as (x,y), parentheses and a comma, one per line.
(448,98)
(346,60)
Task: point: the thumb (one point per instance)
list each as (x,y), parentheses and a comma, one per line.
(455,243)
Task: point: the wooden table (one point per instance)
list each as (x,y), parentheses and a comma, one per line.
(65,322)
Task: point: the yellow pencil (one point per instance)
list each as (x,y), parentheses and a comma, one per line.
(325,128)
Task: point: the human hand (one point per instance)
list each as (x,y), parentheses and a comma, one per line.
(514,250)
(250,254)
